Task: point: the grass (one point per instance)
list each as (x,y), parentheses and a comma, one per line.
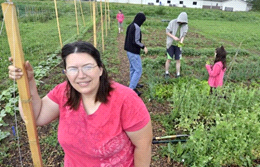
(223,31)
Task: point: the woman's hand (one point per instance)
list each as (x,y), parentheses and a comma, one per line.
(17,73)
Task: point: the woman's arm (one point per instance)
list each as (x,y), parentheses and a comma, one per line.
(45,110)
(142,140)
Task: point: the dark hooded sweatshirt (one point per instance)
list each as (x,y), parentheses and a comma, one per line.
(133,38)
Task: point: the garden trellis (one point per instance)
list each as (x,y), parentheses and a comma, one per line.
(15,44)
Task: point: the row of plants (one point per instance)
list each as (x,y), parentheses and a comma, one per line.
(223,126)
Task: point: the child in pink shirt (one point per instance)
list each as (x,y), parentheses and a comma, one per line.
(217,70)
(120,18)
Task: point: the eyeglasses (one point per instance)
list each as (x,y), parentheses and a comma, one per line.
(86,69)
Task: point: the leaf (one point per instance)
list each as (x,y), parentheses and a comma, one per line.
(180,45)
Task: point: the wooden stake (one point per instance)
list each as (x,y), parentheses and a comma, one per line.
(76,13)
(90,10)
(233,60)
(106,15)
(82,14)
(15,44)
(94,23)
(58,24)
(102,28)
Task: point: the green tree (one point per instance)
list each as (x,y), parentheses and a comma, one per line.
(255,4)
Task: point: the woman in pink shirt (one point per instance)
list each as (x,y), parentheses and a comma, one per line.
(101,122)
(120,18)
(217,70)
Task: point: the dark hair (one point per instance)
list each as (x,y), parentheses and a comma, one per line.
(221,56)
(105,83)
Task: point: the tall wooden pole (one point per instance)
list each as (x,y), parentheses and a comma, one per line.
(82,14)
(76,13)
(106,15)
(102,28)
(94,24)
(15,44)
(58,24)
(90,9)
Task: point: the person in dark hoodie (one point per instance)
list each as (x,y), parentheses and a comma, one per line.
(175,31)
(133,46)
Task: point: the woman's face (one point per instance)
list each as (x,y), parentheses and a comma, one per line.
(83,73)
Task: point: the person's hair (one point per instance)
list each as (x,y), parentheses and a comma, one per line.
(221,56)
(120,10)
(73,95)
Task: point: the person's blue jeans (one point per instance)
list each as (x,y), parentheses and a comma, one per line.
(135,64)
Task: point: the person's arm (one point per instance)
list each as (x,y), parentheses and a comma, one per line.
(169,30)
(182,39)
(183,32)
(142,140)
(213,71)
(45,110)
(138,37)
(172,36)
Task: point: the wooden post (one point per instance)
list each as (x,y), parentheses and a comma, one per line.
(58,24)
(102,28)
(90,10)
(76,13)
(15,44)
(94,23)
(106,15)
(82,14)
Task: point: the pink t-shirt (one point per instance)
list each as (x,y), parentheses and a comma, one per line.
(99,139)
(120,17)
(216,74)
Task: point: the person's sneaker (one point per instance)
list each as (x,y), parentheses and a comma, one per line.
(139,85)
(166,76)
(177,76)
(137,92)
